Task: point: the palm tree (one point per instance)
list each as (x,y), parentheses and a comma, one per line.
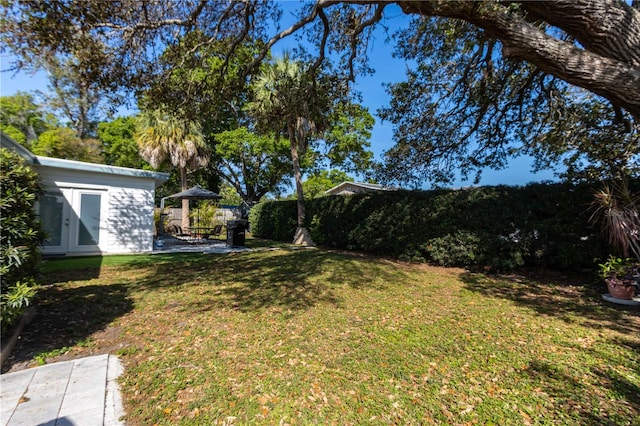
(287,99)
(161,136)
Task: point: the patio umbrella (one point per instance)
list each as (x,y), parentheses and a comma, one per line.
(194,193)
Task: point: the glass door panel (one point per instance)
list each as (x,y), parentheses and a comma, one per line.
(89,220)
(85,221)
(54,214)
(52,207)
(71,219)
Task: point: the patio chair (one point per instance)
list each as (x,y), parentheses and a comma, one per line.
(217,230)
(207,233)
(179,233)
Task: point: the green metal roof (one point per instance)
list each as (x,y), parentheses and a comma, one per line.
(159,177)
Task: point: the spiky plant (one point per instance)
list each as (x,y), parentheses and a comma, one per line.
(616,210)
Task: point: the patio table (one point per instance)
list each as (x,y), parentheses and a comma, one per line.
(201,232)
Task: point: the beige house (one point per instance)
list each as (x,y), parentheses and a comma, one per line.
(348,188)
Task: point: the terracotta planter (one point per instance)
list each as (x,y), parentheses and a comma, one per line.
(620,289)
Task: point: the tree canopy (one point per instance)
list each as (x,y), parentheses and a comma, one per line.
(62,142)
(508,54)
(252,164)
(465,107)
(36,127)
(77,100)
(119,144)
(162,137)
(600,54)
(23,119)
(320,181)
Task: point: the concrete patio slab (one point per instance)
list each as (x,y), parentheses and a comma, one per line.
(78,392)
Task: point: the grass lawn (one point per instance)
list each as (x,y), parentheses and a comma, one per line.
(318,337)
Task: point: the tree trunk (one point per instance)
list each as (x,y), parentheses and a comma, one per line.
(302,236)
(185,203)
(617,27)
(297,174)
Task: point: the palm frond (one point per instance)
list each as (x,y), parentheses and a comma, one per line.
(162,136)
(616,209)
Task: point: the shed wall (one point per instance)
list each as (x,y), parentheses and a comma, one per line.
(127,222)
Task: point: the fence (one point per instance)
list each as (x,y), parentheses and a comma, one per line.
(223,214)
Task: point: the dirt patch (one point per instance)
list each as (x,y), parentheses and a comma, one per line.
(40,338)
(71,322)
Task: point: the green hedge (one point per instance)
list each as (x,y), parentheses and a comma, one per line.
(500,228)
(20,236)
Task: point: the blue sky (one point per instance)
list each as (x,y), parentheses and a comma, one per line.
(388,70)
(391,70)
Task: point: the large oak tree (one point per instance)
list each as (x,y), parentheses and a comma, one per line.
(602,54)
(588,44)
(252,164)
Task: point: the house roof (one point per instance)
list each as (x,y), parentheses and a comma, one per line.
(158,177)
(360,185)
(7,142)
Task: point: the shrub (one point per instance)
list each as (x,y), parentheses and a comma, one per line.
(461,248)
(499,227)
(14,300)
(274,220)
(20,236)
(206,214)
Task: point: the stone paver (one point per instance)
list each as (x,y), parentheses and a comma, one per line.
(80,392)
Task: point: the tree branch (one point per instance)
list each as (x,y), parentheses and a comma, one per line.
(292,29)
(616,24)
(617,81)
(377,16)
(238,39)
(323,42)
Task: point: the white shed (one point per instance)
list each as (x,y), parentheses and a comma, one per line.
(93,208)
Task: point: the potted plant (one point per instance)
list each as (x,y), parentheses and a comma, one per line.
(616,208)
(621,276)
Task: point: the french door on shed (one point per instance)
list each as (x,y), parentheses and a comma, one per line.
(72,217)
